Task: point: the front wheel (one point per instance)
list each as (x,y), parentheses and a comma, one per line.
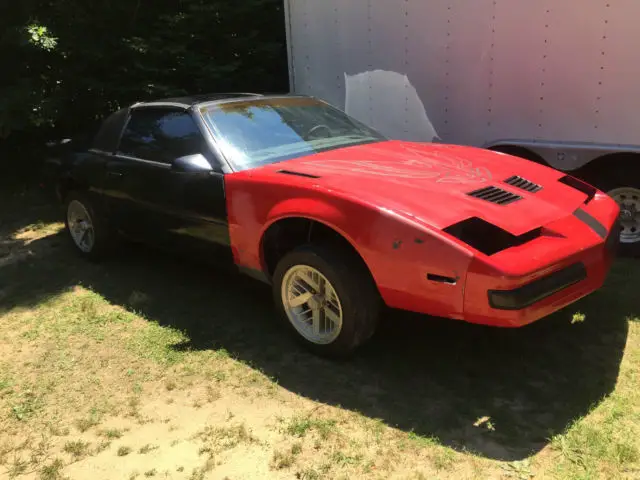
(327,299)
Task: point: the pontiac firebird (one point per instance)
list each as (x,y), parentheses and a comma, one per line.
(338,219)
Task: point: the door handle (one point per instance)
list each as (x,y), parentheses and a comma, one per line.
(115,174)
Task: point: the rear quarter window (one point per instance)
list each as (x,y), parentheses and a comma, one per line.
(109,134)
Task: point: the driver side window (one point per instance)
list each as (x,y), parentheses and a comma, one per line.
(160,135)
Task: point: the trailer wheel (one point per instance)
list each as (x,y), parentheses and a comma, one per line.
(621,181)
(629,200)
(520,152)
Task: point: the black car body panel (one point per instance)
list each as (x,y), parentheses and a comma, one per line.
(144,197)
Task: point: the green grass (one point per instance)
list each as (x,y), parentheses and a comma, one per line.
(299,426)
(608,441)
(341,459)
(426,399)
(157,343)
(421,441)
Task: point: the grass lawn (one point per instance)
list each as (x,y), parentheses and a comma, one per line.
(152,366)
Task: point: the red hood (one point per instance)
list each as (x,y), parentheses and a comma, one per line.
(430,182)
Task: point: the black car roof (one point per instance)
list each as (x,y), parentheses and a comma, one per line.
(192,100)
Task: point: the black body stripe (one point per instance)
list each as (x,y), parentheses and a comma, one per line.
(594,224)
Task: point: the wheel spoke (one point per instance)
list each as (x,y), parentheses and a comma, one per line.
(322,286)
(308,278)
(333,317)
(316,321)
(90,237)
(83,237)
(298,287)
(300,299)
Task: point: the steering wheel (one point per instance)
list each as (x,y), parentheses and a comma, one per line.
(313,130)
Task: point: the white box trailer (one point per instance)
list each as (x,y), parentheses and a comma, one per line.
(554,81)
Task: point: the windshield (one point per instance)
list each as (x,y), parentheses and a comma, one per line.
(258,132)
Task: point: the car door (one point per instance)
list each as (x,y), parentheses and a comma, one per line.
(152,200)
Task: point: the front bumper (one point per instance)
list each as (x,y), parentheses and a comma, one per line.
(536,291)
(525,283)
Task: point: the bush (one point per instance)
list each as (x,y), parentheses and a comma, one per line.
(69,63)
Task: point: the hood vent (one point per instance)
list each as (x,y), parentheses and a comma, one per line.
(579,185)
(297,174)
(523,184)
(495,195)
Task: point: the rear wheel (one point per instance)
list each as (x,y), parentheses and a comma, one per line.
(87,230)
(327,299)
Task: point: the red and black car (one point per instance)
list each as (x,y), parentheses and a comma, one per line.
(337,218)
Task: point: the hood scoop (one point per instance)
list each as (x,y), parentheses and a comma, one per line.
(297,174)
(579,185)
(488,238)
(523,184)
(495,195)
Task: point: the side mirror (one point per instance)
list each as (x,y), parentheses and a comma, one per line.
(196,163)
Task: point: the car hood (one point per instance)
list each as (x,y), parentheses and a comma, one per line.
(431,183)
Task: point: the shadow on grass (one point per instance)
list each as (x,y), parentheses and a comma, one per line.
(434,377)
(20,207)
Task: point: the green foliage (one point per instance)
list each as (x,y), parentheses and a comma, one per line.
(68,63)
(41,38)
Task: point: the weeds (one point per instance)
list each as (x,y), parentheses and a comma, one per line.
(286,459)
(17,467)
(52,471)
(147,448)
(84,424)
(102,446)
(112,434)
(123,451)
(218,439)
(29,404)
(77,448)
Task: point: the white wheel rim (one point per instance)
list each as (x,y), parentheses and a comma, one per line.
(80,226)
(629,200)
(312,304)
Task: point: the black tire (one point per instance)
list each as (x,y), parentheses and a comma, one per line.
(619,176)
(353,284)
(104,238)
